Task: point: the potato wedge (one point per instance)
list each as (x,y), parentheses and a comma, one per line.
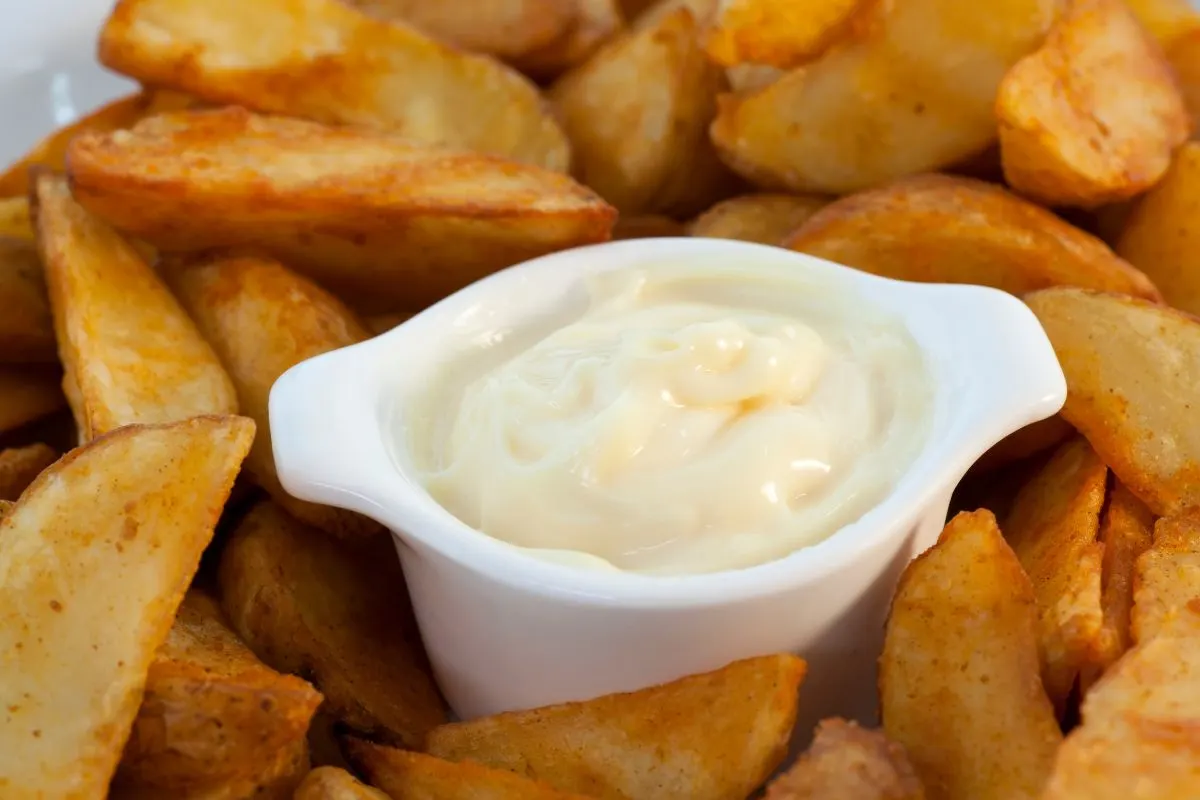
(336,613)
(212,713)
(647,226)
(1125,532)
(762,218)
(382,323)
(121,113)
(959,230)
(333,783)
(1093,116)
(1184,56)
(716,735)
(779,33)
(1168,20)
(1166,578)
(130,352)
(911,93)
(28,394)
(19,466)
(846,762)
(1139,733)
(262,319)
(1132,382)
(26,327)
(15,221)
(94,560)
(596,21)
(959,686)
(322,60)
(502,28)
(406,775)
(637,114)
(1024,443)
(1053,527)
(1161,235)
(376,219)
(745,78)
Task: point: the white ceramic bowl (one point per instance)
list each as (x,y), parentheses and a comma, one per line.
(506,630)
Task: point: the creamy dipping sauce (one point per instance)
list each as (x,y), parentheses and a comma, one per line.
(690,419)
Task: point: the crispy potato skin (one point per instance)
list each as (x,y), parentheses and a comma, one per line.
(778,33)
(321,60)
(846,762)
(212,713)
(959,230)
(333,783)
(387,224)
(762,218)
(715,735)
(961,643)
(19,466)
(263,319)
(26,328)
(1166,577)
(1131,384)
(334,612)
(95,559)
(405,775)
(1093,116)
(1161,235)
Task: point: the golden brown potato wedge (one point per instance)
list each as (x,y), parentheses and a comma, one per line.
(637,114)
(959,230)
(596,21)
(1024,443)
(1167,576)
(95,558)
(333,783)
(26,327)
(1184,56)
(716,735)
(130,352)
(1093,116)
(779,33)
(322,60)
(913,92)
(1053,527)
(19,466)
(15,221)
(1166,19)
(647,226)
(122,113)
(406,775)
(846,762)
(1133,376)
(212,714)
(376,219)
(745,78)
(263,319)
(762,218)
(959,685)
(1138,737)
(502,28)
(28,394)
(337,613)
(1161,235)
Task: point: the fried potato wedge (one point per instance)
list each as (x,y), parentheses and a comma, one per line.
(596,21)
(1125,531)
(959,230)
(1161,235)
(762,218)
(376,219)
(959,685)
(94,559)
(1167,576)
(502,28)
(322,60)
(333,783)
(1053,527)
(19,466)
(1184,56)
(846,762)
(1168,20)
(28,394)
(15,220)
(26,326)
(1139,733)
(212,713)
(1093,116)
(130,351)
(913,92)
(779,33)
(262,319)
(121,113)
(337,613)
(716,735)
(1133,376)
(637,114)
(745,78)
(1024,443)
(406,775)
(646,227)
